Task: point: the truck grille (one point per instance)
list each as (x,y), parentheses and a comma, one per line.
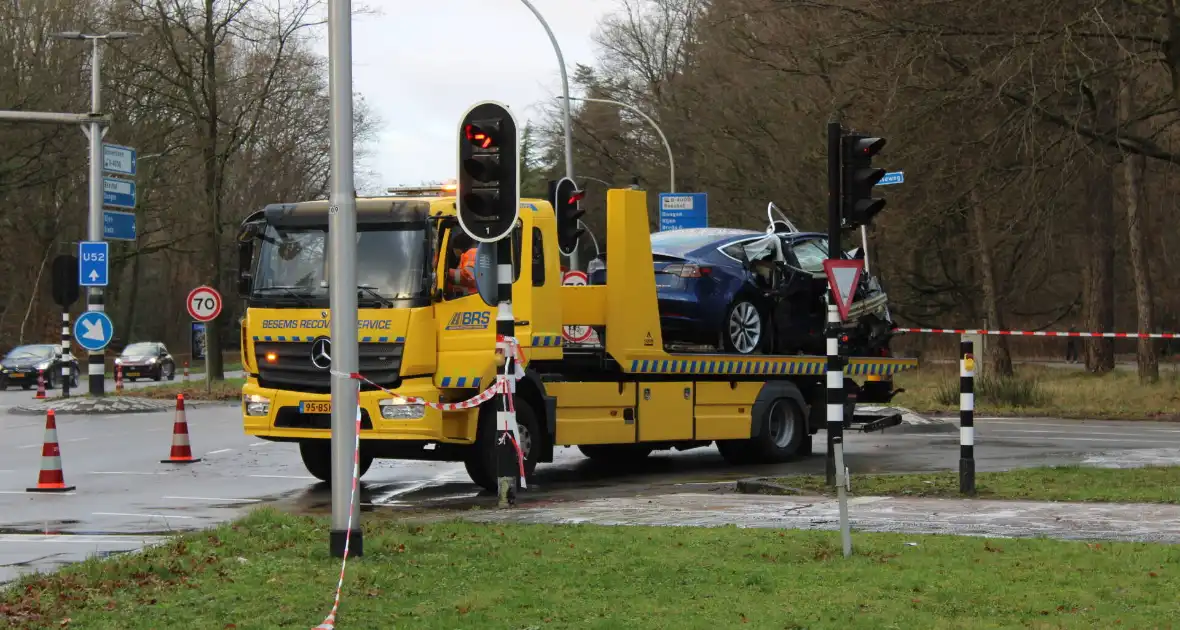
(293,370)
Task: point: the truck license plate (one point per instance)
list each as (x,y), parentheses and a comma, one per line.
(314,406)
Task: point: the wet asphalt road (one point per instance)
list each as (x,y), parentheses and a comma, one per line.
(126,497)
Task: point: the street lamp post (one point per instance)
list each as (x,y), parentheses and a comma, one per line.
(565,91)
(668,147)
(95,131)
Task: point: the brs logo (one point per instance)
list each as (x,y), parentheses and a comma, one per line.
(470,320)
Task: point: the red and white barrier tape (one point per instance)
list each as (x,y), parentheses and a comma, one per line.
(330,621)
(1039,333)
(501,385)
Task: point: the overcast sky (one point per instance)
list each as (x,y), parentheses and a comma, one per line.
(418,72)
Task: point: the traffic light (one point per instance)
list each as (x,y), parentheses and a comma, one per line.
(858,207)
(564,195)
(488,195)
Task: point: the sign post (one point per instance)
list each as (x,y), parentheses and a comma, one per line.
(679,211)
(204,305)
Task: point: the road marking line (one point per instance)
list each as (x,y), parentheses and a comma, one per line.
(1124,433)
(7,471)
(31,445)
(125,472)
(215,499)
(71,493)
(1082,439)
(1074,425)
(282,476)
(141,515)
(261,443)
(224,450)
(77,439)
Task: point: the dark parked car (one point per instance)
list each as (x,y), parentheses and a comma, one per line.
(22,364)
(748,292)
(147,359)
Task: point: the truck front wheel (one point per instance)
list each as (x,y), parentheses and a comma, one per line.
(481,462)
(317,458)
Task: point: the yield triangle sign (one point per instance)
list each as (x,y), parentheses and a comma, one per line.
(843,277)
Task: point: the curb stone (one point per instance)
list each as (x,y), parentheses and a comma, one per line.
(107,405)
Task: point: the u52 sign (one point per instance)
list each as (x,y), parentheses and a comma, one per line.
(204,304)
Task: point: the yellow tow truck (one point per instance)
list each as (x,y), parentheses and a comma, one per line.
(421,338)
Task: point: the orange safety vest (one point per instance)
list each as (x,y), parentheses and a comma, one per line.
(464,274)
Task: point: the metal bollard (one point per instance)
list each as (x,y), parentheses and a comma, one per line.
(842,485)
(967,419)
(118,378)
(186,370)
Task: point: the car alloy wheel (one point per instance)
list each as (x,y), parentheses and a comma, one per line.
(745,327)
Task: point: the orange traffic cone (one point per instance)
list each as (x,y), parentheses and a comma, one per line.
(182,453)
(118,378)
(51,478)
(40,385)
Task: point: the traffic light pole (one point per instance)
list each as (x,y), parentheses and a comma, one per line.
(507,467)
(345,536)
(835,388)
(95,301)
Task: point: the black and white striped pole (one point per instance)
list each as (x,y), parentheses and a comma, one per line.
(835,392)
(487,203)
(66,370)
(967,418)
(507,472)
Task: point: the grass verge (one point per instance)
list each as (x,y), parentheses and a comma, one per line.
(1154,484)
(272,570)
(229,389)
(1046,391)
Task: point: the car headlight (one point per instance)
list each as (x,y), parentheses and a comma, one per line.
(398,408)
(256,405)
(118,360)
(151,360)
(44,365)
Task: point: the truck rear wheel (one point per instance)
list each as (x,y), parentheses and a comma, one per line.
(317,458)
(481,461)
(616,453)
(783,437)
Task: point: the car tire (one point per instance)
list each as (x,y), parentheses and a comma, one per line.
(171,375)
(51,379)
(481,460)
(317,459)
(744,329)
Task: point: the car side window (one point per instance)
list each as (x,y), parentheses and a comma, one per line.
(811,255)
(538,258)
(735,250)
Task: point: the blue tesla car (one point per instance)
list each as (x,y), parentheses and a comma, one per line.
(748,292)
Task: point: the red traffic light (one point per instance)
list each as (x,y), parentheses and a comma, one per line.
(577,196)
(480,137)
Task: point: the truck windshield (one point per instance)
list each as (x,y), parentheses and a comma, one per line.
(390,264)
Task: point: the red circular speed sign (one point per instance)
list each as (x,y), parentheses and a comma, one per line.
(204,304)
(576,334)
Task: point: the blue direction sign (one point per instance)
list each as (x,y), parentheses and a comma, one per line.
(118,160)
(93,263)
(896,177)
(680,211)
(118,225)
(93,330)
(119,193)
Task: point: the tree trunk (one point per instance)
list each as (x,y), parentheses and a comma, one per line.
(999,356)
(133,294)
(1098,308)
(213,191)
(1133,169)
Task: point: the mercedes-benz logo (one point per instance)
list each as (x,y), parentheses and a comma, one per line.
(321,353)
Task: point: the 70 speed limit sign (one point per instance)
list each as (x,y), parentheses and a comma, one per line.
(204,304)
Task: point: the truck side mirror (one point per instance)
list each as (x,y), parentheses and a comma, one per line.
(485,273)
(245,257)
